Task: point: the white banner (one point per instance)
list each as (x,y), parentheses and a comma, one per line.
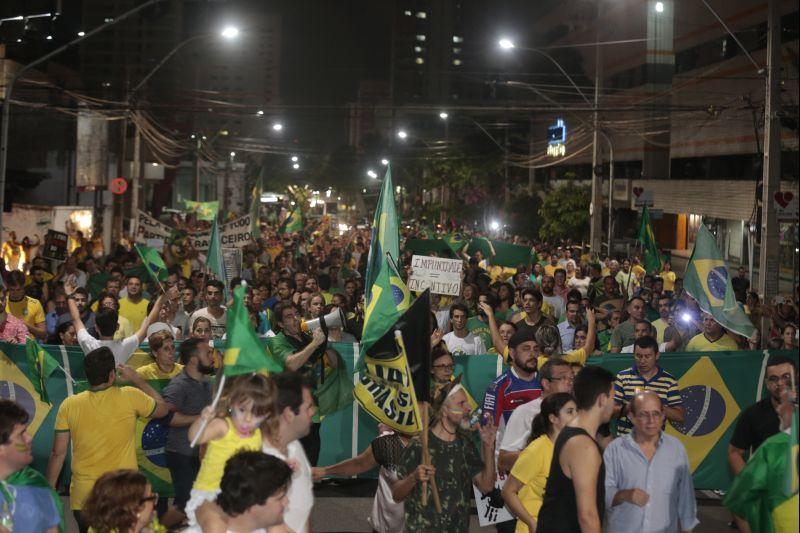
(442,276)
(149,228)
(234,234)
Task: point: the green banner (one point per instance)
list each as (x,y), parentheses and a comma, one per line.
(715,388)
(505,253)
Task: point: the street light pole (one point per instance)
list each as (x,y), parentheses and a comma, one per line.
(9,88)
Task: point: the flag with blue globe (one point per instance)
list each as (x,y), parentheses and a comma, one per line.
(707,281)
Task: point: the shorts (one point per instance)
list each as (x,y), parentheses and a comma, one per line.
(196,499)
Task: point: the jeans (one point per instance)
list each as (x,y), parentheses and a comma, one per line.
(183,469)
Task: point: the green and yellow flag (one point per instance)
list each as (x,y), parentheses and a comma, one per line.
(153,263)
(652,258)
(389,300)
(215,261)
(385,235)
(293,223)
(706,280)
(40,365)
(202,210)
(244,351)
(455,241)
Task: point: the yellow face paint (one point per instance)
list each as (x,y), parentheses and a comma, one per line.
(22,447)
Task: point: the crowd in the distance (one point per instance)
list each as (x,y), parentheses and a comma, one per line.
(547,320)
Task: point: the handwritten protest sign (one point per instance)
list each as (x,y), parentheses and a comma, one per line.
(440,275)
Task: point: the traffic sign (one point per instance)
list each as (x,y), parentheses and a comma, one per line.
(118,185)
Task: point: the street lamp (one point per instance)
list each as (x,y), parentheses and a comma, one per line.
(277,126)
(260,113)
(230,32)
(506,43)
(384,162)
(443,115)
(402,134)
(495,225)
(659,7)
(295,159)
(296,166)
(372,174)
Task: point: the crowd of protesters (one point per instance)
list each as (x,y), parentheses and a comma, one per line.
(545,420)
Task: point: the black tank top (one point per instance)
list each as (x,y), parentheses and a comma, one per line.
(559,512)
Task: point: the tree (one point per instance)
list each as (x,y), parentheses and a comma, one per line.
(565,213)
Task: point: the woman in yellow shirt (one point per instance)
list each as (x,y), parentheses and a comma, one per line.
(524,488)
(162,348)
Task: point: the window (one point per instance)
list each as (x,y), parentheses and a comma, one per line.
(458,39)
(418,49)
(419,61)
(421,15)
(456,62)
(421,38)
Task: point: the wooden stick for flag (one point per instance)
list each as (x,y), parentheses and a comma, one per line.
(204,423)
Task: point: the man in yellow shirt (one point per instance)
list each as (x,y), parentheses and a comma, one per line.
(714,338)
(101,422)
(27,309)
(134,305)
(669,277)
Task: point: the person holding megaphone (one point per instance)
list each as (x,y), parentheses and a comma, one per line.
(303,347)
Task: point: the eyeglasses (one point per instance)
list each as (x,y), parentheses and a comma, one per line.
(644,415)
(444,367)
(568,378)
(786,378)
(152,498)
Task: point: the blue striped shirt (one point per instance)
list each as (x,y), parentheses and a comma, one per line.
(629,382)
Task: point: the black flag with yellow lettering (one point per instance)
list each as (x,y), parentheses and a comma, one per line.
(396,372)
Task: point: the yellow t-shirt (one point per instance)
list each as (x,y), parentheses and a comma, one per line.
(532,469)
(134,312)
(46,275)
(699,343)
(29,310)
(218,453)
(124,328)
(660,326)
(152,371)
(102,425)
(638,271)
(550,270)
(669,280)
(574,356)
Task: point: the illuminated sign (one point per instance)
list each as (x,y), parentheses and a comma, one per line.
(556,137)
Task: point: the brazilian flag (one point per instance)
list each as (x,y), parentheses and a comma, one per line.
(153,263)
(455,241)
(293,223)
(706,280)
(244,351)
(40,365)
(652,258)
(203,210)
(389,299)
(385,235)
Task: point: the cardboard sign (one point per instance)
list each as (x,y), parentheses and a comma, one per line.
(234,234)
(440,275)
(488,512)
(55,245)
(232,259)
(148,227)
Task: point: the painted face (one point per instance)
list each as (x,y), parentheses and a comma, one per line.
(244,420)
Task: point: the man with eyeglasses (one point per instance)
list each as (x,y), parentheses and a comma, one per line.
(646,374)
(648,479)
(760,421)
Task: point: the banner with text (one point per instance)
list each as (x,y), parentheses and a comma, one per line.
(440,275)
(234,234)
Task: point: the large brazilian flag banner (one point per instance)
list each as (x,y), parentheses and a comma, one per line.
(715,388)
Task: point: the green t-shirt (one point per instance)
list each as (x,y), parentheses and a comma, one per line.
(456,464)
(623,335)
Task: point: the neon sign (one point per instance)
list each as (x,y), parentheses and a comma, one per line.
(556,137)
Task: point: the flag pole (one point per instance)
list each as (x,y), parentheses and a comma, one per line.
(426,458)
(204,423)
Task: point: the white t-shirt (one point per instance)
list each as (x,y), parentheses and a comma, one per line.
(518,427)
(470,345)
(629,348)
(581,284)
(218,325)
(301,490)
(122,350)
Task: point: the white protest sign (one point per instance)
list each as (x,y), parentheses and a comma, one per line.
(232,259)
(488,511)
(440,275)
(148,227)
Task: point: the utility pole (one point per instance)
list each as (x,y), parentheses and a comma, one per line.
(596,205)
(769,259)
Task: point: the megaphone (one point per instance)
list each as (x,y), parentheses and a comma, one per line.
(334,319)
